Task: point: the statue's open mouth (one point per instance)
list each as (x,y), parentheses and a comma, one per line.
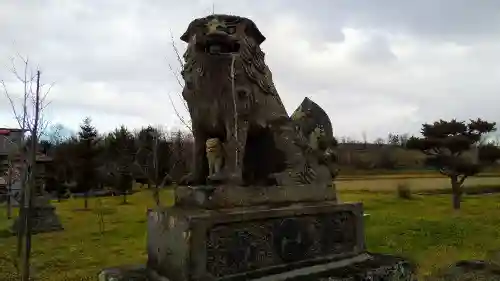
(219,45)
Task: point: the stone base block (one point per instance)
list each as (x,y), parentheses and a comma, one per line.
(363,267)
(228,196)
(251,242)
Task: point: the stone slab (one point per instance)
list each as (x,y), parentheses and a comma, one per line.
(251,242)
(227,196)
(363,267)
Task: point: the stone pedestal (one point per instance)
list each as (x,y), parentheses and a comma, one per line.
(273,236)
(251,242)
(43,217)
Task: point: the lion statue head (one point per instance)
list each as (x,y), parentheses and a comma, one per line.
(219,48)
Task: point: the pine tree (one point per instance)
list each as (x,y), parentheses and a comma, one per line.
(445,143)
(123,151)
(86,178)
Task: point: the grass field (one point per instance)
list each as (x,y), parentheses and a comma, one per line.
(425,230)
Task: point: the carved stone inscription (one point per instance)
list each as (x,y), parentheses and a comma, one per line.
(245,246)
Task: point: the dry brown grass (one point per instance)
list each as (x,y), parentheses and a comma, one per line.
(389,183)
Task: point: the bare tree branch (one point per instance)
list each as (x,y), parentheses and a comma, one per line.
(177,54)
(32,121)
(27,220)
(175,75)
(461,180)
(179,82)
(42,126)
(42,99)
(179,115)
(12,104)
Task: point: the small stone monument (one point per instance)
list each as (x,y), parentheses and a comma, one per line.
(43,215)
(260,203)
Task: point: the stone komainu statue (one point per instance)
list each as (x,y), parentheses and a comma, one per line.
(231,96)
(313,123)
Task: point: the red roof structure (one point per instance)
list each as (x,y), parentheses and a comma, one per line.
(11,130)
(4,132)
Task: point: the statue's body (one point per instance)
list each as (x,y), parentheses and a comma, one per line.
(313,122)
(231,96)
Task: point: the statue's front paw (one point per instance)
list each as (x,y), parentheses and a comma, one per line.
(216,178)
(189,179)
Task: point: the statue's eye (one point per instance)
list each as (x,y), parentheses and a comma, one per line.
(231,30)
(242,93)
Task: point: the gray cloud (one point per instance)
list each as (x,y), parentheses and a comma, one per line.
(458,20)
(375,66)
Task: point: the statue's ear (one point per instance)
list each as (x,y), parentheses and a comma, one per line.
(190,30)
(187,35)
(252,31)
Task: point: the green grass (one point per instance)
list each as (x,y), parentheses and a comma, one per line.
(427,230)
(80,250)
(424,229)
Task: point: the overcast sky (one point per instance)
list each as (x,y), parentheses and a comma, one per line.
(375,66)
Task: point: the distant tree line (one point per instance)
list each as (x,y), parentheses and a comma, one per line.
(90,161)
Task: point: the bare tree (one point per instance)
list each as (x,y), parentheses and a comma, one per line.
(29,119)
(150,145)
(176,72)
(379,141)
(100,216)
(403,139)
(393,139)
(54,135)
(26,117)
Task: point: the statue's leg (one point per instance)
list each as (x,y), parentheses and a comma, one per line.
(215,175)
(197,174)
(200,162)
(217,165)
(211,167)
(235,152)
(285,139)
